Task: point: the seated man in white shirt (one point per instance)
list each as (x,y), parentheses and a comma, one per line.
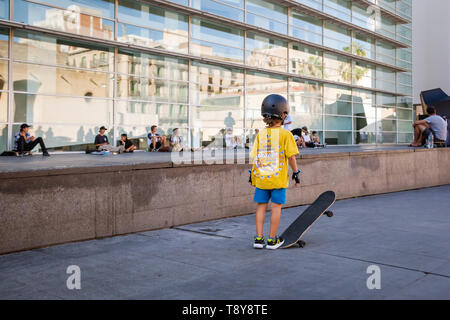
(231,141)
(307,138)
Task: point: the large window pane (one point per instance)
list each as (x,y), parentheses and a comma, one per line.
(142,14)
(305,97)
(3,137)
(152,66)
(363,74)
(338,123)
(266,53)
(337,68)
(4,9)
(339,8)
(337,37)
(44,49)
(217,96)
(138,113)
(305,27)
(147,89)
(3,106)
(151,26)
(53,109)
(146,37)
(305,61)
(232,9)
(4,43)
(260,85)
(62,81)
(365,137)
(338,138)
(71,20)
(267,15)
(216,41)
(103,8)
(363,46)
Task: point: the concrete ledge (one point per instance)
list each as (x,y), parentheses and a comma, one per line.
(47,207)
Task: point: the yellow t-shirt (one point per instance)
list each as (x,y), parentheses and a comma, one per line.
(270,153)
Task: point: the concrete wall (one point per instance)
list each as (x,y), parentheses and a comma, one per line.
(42,208)
(431,46)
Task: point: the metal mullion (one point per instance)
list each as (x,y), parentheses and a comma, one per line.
(190,145)
(10,87)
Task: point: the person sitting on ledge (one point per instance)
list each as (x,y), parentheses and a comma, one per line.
(102,143)
(435,123)
(127,143)
(315,138)
(24,142)
(155,141)
(307,138)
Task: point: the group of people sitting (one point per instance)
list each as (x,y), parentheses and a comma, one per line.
(156,142)
(306,140)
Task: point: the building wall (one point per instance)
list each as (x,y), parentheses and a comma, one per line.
(204,68)
(431,38)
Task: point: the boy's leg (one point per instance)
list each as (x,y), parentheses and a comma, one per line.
(275,219)
(260,215)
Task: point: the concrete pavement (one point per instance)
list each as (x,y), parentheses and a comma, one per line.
(406,234)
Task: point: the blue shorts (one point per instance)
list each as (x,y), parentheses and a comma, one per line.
(277,196)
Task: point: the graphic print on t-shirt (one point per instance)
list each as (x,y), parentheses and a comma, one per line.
(267,159)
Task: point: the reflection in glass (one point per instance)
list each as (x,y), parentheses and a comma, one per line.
(45,49)
(72,20)
(148,89)
(305,27)
(3,106)
(387,138)
(146,37)
(151,66)
(338,138)
(55,109)
(103,8)
(62,81)
(337,37)
(266,53)
(338,123)
(337,68)
(267,15)
(3,137)
(305,61)
(258,87)
(232,9)
(138,113)
(217,95)
(305,96)
(364,137)
(216,41)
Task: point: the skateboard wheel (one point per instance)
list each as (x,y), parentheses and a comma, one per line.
(301,243)
(329,214)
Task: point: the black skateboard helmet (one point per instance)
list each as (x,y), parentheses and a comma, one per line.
(274,106)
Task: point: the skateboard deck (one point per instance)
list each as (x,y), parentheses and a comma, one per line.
(301,225)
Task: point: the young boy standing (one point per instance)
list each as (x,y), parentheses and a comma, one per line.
(274,149)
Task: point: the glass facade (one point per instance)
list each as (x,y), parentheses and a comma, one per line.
(128,65)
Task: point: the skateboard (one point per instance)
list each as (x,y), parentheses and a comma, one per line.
(293,234)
